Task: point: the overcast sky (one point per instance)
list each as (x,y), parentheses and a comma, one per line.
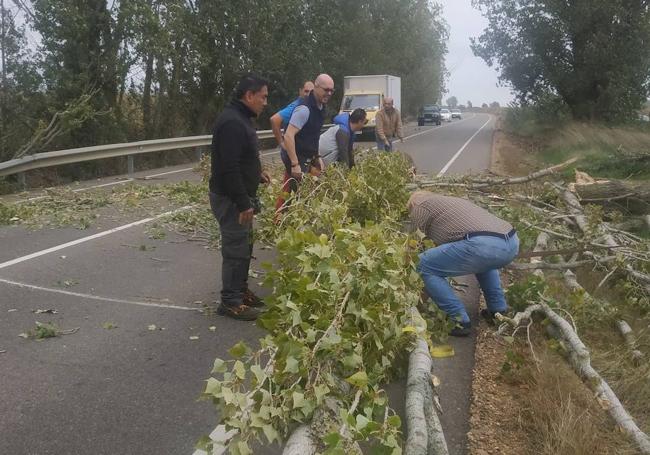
(469,77)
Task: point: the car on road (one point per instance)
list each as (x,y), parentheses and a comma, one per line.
(455,113)
(445,114)
(429,113)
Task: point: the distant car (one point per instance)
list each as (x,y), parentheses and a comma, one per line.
(455,113)
(429,113)
(445,114)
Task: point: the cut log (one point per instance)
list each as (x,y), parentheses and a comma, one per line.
(301,442)
(424,436)
(632,197)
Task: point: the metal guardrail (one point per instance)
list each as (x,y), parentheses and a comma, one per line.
(78,155)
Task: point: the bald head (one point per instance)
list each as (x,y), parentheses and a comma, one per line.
(323,88)
(417,198)
(324,80)
(388,103)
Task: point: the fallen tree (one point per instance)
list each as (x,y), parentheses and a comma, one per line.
(579,359)
(629,196)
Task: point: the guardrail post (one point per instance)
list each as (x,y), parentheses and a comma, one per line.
(22,180)
(130,168)
(199,153)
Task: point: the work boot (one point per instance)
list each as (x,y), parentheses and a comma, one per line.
(490,317)
(462,329)
(241,312)
(252,300)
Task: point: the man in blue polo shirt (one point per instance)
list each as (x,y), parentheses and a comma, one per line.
(280,120)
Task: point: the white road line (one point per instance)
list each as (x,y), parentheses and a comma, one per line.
(453,158)
(275,152)
(436,129)
(147,177)
(6,264)
(119,182)
(95,297)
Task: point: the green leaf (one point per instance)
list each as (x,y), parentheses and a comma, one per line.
(212,386)
(219,366)
(240,370)
(242,447)
(320,391)
(332,439)
(358,379)
(239,350)
(270,433)
(258,372)
(394,421)
(298,399)
(361,422)
(228,395)
(291,366)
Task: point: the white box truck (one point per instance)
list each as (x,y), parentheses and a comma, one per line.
(368,92)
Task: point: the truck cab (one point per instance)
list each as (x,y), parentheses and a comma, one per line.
(368,93)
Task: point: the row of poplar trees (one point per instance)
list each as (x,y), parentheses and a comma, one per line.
(87,72)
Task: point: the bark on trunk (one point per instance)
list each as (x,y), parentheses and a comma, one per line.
(580,361)
(425,436)
(632,197)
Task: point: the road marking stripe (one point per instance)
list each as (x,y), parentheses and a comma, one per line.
(6,264)
(96,297)
(453,158)
(147,177)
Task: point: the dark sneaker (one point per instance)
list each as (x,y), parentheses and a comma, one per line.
(490,317)
(241,312)
(462,329)
(252,300)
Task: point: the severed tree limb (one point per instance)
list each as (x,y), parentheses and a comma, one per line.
(425,435)
(579,359)
(576,209)
(301,442)
(560,265)
(486,182)
(627,334)
(436,443)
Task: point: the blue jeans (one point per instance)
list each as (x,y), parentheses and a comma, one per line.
(481,256)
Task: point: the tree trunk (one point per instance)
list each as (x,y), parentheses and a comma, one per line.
(146,98)
(632,197)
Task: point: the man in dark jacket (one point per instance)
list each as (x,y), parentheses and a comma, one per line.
(236,174)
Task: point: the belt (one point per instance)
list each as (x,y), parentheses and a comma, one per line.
(469,235)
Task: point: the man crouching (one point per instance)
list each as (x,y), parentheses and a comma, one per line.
(470,240)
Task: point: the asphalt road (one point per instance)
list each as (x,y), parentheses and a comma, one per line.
(132,390)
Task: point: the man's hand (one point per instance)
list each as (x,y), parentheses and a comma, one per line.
(387,143)
(246,217)
(296,172)
(265,177)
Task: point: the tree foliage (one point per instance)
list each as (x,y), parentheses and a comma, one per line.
(164,68)
(593,54)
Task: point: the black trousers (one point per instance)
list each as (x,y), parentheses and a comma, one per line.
(236,249)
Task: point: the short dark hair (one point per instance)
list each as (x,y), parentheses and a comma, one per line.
(249,83)
(357,115)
